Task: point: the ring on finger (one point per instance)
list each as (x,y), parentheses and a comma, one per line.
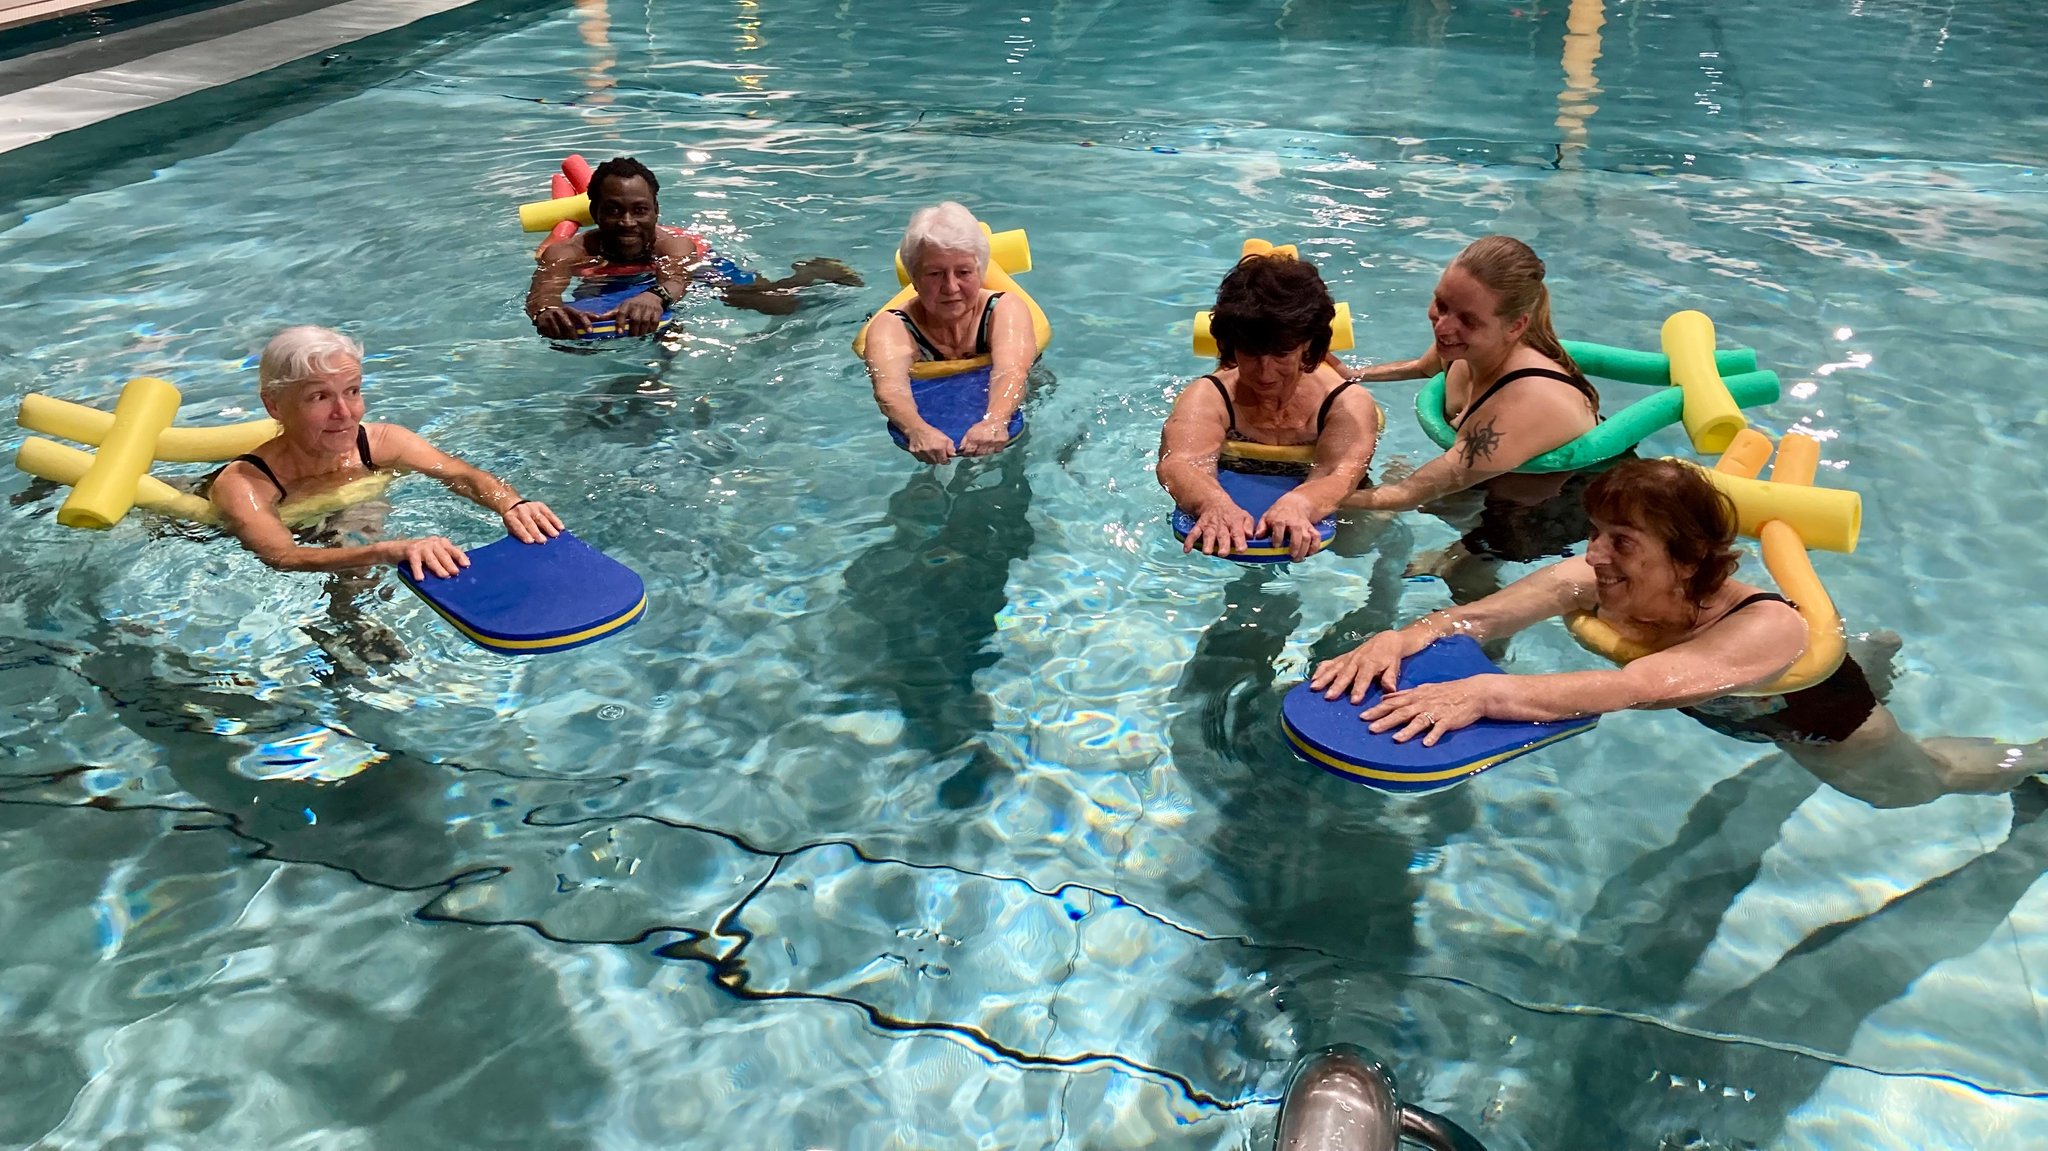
(1429,717)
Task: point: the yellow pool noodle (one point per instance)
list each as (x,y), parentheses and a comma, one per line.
(1340,332)
(1792,569)
(66,420)
(1746,455)
(57,463)
(1010,251)
(1785,554)
(543,215)
(62,464)
(107,489)
(1258,247)
(1830,519)
(1710,414)
(1798,459)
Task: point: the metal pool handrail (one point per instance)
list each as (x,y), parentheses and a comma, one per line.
(1343,1099)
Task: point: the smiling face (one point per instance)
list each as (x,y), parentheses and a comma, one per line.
(1463,314)
(625,216)
(948,282)
(1633,569)
(320,415)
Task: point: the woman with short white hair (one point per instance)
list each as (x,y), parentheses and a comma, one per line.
(951,317)
(311,381)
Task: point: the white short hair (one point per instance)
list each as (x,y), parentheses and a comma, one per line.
(948,227)
(301,352)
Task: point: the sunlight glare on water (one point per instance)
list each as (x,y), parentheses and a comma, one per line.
(949,809)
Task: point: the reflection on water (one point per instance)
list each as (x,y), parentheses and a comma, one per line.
(928,595)
(931,810)
(1654,922)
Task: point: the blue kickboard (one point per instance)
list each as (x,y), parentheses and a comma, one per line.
(1329,734)
(526,599)
(953,404)
(607,328)
(1256,493)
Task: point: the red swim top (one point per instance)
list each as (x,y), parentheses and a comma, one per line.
(701,251)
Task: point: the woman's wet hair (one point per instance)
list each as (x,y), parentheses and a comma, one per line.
(621,168)
(1270,304)
(1512,271)
(948,227)
(300,353)
(1680,507)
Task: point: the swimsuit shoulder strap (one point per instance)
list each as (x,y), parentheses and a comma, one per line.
(1329,401)
(988,313)
(362,447)
(1753,597)
(1542,373)
(1760,597)
(930,350)
(256,461)
(1523,374)
(1757,597)
(1229,409)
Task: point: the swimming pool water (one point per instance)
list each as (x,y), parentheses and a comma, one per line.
(946,810)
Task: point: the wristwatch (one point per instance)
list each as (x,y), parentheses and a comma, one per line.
(666,297)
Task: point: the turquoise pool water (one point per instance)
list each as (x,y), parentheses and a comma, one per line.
(949,811)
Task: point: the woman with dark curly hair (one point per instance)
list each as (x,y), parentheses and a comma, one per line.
(1275,386)
(1658,571)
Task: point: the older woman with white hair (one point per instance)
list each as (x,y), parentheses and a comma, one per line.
(951,317)
(312,384)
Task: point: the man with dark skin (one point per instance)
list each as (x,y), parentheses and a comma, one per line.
(627,241)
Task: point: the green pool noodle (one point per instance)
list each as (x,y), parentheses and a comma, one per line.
(1650,369)
(1614,435)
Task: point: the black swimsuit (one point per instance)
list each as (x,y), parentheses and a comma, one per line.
(1828,712)
(1522,533)
(1578,382)
(926,350)
(256,461)
(1270,467)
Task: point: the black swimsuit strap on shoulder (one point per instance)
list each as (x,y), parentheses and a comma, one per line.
(1322,414)
(1229,409)
(363,447)
(1329,401)
(1756,597)
(1753,597)
(256,461)
(1523,374)
(988,315)
(929,350)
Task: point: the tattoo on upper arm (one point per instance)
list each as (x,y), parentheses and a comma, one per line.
(1479,443)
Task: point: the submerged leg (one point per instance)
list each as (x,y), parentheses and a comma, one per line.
(777,297)
(1885,767)
(819,270)
(356,643)
(755,298)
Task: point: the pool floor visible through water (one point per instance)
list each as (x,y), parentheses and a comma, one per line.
(947,808)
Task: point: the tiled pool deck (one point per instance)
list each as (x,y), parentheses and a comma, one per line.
(84,82)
